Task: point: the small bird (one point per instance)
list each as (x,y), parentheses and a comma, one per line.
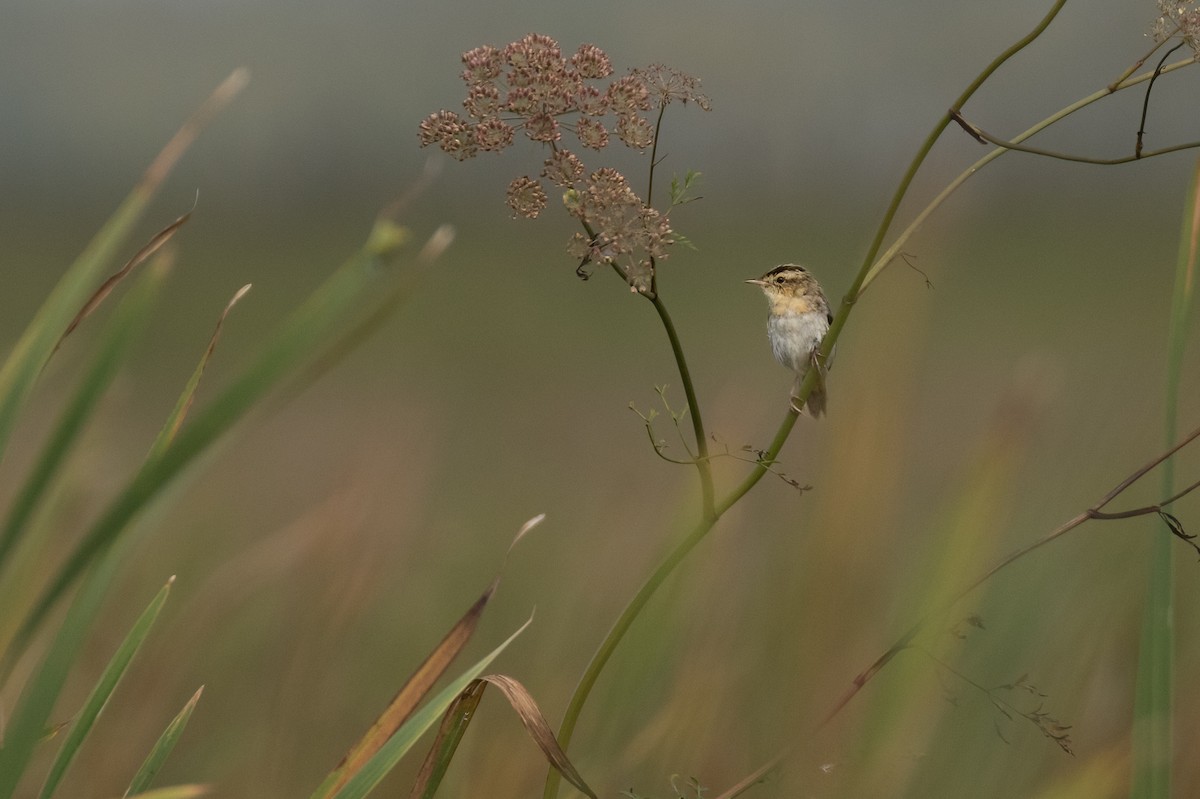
(798,318)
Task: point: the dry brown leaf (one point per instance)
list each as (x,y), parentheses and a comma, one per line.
(535,724)
(154,245)
(419,685)
(409,696)
(458,716)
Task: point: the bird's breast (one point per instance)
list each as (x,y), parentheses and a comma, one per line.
(794,336)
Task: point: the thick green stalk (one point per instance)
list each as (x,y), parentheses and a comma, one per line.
(1152,713)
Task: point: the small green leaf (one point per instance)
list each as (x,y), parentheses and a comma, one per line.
(162,748)
(104,688)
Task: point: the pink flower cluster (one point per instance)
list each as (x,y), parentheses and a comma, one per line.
(532,88)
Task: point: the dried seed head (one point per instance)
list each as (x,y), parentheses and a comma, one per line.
(526,197)
(562,168)
(592,133)
(450,132)
(635,131)
(591,101)
(542,127)
(1179,18)
(483,100)
(591,62)
(666,85)
(628,94)
(493,134)
(481,64)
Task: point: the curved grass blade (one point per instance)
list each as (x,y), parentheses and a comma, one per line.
(41,692)
(1153,710)
(454,725)
(310,331)
(174,792)
(162,748)
(35,345)
(401,708)
(114,341)
(364,780)
(458,717)
(157,242)
(169,430)
(104,688)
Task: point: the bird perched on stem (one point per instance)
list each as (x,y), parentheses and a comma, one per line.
(798,318)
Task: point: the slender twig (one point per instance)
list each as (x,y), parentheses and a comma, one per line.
(1146,100)
(702,461)
(1093,512)
(1136,65)
(906,640)
(1046,724)
(867,269)
(984,137)
(654,154)
(898,245)
(703,467)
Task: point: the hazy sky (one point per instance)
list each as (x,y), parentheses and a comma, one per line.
(802,91)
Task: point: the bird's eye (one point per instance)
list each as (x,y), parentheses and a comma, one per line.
(779,280)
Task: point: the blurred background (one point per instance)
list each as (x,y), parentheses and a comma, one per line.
(975,405)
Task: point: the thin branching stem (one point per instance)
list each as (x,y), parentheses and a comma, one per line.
(1138,155)
(702,528)
(866,270)
(1146,99)
(941,608)
(1136,65)
(1094,512)
(654,154)
(897,246)
(703,466)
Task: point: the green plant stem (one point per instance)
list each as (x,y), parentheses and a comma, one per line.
(702,528)
(1154,690)
(662,109)
(703,464)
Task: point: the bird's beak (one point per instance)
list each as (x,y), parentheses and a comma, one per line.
(757,282)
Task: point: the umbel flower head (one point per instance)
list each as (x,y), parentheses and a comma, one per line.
(530,87)
(1179,18)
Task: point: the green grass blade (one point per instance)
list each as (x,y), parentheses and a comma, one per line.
(454,726)
(119,333)
(37,699)
(311,331)
(375,769)
(1153,743)
(174,792)
(162,748)
(104,688)
(175,420)
(34,347)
